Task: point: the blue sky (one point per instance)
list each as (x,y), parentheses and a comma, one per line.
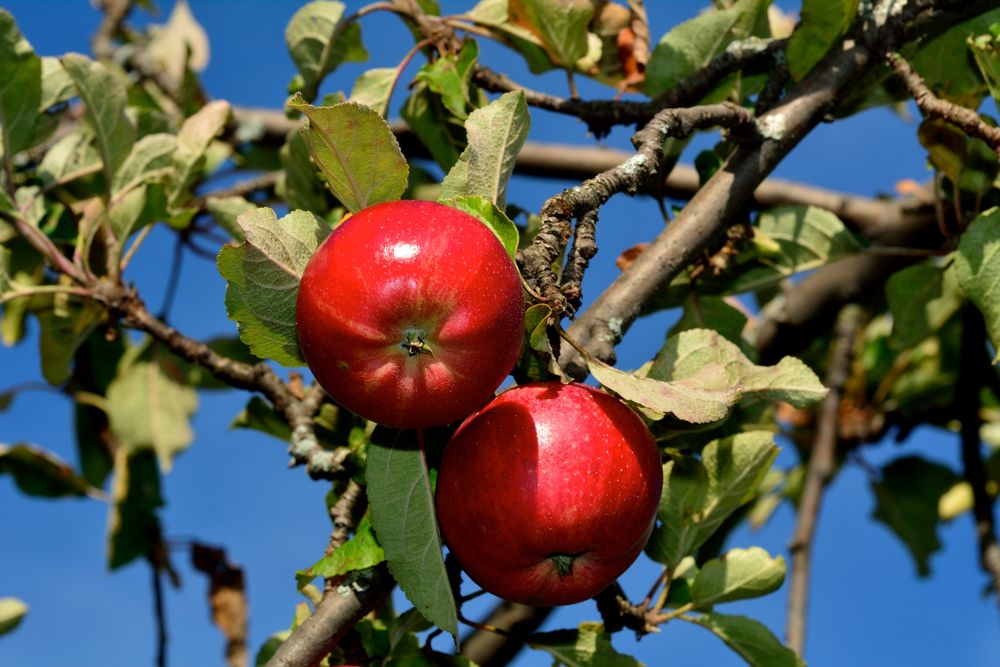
(232,487)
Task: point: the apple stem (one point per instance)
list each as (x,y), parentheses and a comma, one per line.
(564,563)
(413,342)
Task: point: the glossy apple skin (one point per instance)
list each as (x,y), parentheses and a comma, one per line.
(417,269)
(548,469)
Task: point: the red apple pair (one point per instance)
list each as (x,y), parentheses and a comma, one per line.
(411,314)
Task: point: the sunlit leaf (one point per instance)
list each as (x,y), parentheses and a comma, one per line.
(491,216)
(692,44)
(495,134)
(425,114)
(699,376)
(20,88)
(560,24)
(944,63)
(373,87)
(105,99)
(193,140)
(150,404)
(319,42)
(751,639)
(922,298)
(359,553)
(450,77)
(263,279)
(12,612)
(737,575)
(822,24)
(698,495)
(356,152)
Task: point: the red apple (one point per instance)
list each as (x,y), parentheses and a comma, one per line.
(410,314)
(548,493)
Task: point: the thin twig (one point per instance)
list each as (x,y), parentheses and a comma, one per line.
(819,472)
(701,225)
(160,613)
(602,115)
(973,364)
(173,279)
(933,106)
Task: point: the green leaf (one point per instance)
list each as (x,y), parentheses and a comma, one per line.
(150,403)
(787,240)
(359,553)
(319,43)
(95,366)
(178,45)
(495,133)
(588,646)
(300,185)
(374,87)
(12,612)
(977,265)
(70,156)
(150,157)
(907,498)
(20,88)
(450,77)
(751,639)
(427,117)
(41,473)
(738,575)
(698,377)
(193,140)
(263,275)
(715,313)
(104,97)
(25,267)
(922,298)
(259,415)
(694,43)
(822,24)
(356,152)
(62,332)
(133,527)
(57,87)
(985,50)
(226,210)
(945,65)
(699,495)
(402,513)
(491,216)
(561,25)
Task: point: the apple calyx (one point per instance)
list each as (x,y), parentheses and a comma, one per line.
(564,563)
(414,343)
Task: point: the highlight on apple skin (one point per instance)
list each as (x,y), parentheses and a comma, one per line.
(549,493)
(410,314)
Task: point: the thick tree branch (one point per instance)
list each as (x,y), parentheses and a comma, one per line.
(818,474)
(548,245)
(491,649)
(701,224)
(933,106)
(336,613)
(974,363)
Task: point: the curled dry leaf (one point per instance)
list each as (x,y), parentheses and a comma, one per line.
(628,257)
(226,598)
